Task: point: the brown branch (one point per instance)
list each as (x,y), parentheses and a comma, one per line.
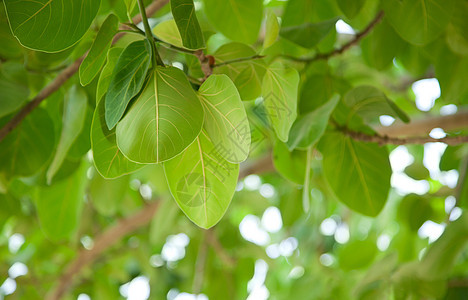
(63,77)
(384,139)
(102,243)
(218,248)
(423,126)
(126,226)
(357,38)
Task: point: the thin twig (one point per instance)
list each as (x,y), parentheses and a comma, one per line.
(227,62)
(212,239)
(63,77)
(357,38)
(200,266)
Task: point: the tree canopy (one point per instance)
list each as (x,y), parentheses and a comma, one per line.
(243,149)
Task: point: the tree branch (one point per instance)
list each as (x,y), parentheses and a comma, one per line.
(241,59)
(357,38)
(384,139)
(424,126)
(64,76)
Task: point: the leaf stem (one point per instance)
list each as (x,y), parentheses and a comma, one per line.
(149,35)
(227,62)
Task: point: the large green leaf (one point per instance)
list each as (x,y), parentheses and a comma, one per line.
(96,57)
(359,173)
(106,73)
(381,46)
(357,254)
(59,206)
(74,112)
(28,147)
(419,21)
(369,102)
(457,37)
(279,91)
(14,89)
(310,34)
(239,20)
(225,118)
(164,119)
(10,46)
(108,159)
(50,25)
(167,32)
(202,182)
(186,19)
(308,129)
(246,75)
(127,80)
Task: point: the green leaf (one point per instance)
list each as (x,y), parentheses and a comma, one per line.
(127,80)
(308,129)
(96,57)
(414,210)
(226,121)
(14,89)
(279,91)
(10,46)
(239,20)
(187,23)
(106,195)
(350,8)
(167,32)
(108,159)
(457,38)
(359,173)
(417,171)
(318,89)
(419,21)
(106,73)
(357,254)
(290,164)
(59,206)
(246,75)
(29,146)
(310,34)
(381,46)
(271,30)
(164,119)
(202,182)
(74,112)
(369,102)
(48,25)
(442,255)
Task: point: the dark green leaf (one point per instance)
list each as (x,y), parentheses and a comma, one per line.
(49,25)
(127,80)
(309,128)
(96,57)
(310,34)
(187,23)
(359,173)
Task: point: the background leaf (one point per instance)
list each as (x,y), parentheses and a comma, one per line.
(96,57)
(238,20)
(359,173)
(74,110)
(48,25)
(187,23)
(279,91)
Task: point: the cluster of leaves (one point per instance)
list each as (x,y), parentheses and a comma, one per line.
(175,109)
